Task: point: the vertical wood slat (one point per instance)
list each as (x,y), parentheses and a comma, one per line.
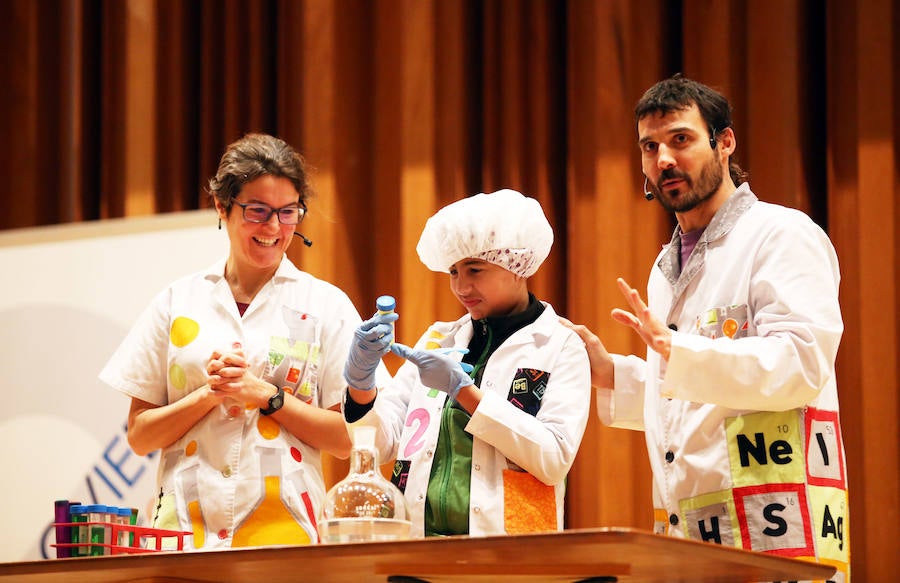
(715,51)
(213,136)
(775,116)
(864,221)
(307,112)
(21,117)
(418,180)
(113,92)
(457,112)
(353,124)
(179,183)
(231,50)
(543,138)
(522,115)
(843,169)
(613,232)
(69,178)
(50,104)
(139,98)
(458,102)
(506,98)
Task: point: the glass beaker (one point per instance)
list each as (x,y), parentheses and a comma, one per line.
(364,506)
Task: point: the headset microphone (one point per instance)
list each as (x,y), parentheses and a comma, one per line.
(306,241)
(647,194)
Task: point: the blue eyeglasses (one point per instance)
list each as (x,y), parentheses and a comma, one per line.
(257,212)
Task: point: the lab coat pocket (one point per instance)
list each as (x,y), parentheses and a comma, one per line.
(166,517)
(293,366)
(294,361)
(729,321)
(529,505)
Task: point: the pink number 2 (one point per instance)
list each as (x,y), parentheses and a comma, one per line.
(421,417)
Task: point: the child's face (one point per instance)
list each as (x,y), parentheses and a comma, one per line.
(486,289)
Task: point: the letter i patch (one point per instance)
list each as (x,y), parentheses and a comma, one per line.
(824,451)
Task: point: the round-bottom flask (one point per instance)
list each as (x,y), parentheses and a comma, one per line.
(364,506)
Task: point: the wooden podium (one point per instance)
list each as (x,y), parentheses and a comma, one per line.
(590,556)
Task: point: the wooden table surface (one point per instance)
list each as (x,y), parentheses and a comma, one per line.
(590,556)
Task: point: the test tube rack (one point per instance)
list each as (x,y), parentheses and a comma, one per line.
(141,541)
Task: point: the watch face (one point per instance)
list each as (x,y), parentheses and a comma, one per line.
(276,401)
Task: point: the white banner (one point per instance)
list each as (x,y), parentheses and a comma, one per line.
(69,295)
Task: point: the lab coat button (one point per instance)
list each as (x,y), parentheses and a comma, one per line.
(670,457)
(673,519)
(420,497)
(476,509)
(226,471)
(673,327)
(477,467)
(429,453)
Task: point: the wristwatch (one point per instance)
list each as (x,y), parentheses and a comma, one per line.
(276,401)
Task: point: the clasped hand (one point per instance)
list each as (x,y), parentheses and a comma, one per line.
(229,376)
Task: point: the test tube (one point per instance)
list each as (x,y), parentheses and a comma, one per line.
(132,521)
(98,536)
(63,533)
(79,534)
(123,518)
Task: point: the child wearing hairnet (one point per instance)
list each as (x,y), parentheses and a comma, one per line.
(486,416)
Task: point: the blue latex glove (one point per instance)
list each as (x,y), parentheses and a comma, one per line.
(371,341)
(436,369)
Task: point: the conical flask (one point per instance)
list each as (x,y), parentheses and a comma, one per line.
(364,506)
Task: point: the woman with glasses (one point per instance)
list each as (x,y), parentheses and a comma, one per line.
(235,372)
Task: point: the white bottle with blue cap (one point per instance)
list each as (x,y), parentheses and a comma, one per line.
(386,305)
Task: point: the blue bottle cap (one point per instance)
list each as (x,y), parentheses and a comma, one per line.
(123,511)
(95,508)
(385,303)
(78,509)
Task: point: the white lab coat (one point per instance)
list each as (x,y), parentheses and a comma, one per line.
(238,478)
(507,442)
(742,423)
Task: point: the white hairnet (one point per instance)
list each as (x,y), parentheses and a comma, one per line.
(503,227)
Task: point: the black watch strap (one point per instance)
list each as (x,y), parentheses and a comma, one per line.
(276,401)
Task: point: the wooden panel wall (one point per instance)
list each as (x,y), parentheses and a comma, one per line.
(864,215)
(122,108)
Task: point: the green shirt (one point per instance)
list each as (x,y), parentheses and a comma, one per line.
(447,498)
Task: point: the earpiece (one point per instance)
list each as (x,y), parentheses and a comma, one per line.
(306,241)
(647,194)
